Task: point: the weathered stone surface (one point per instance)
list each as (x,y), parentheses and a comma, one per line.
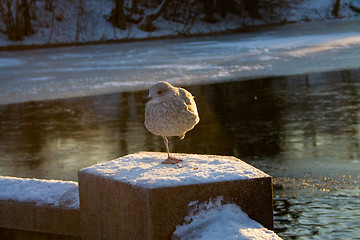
(46,219)
(137,197)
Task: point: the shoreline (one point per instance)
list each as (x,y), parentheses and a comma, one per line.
(145,39)
(249,29)
(64,27)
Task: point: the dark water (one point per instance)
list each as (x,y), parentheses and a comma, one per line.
(303,130)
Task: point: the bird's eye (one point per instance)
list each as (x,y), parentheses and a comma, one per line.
(160,92)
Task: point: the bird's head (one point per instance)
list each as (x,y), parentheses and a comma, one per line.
(160,92)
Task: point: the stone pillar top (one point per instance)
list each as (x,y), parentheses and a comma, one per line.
(145,170)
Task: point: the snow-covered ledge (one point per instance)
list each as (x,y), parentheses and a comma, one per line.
(46,206)
(137,197)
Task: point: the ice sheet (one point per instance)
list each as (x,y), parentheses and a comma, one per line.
(98,69)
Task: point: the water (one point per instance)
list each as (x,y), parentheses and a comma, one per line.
(301,129)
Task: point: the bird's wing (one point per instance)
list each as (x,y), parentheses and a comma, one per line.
(186,96)
(188,100)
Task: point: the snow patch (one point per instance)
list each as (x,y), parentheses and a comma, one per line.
(336,42)
(10,62)
(215,220)
(40,192)
(35,79)
(146,169)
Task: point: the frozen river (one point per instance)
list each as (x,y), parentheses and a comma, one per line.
(97,69)
(302,126)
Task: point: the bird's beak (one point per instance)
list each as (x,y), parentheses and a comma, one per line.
(145,100)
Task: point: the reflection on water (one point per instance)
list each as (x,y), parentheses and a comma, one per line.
(303,130)
(333,216)
(54,139)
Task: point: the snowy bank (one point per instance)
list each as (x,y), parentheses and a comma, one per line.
(213,220)
(64,25)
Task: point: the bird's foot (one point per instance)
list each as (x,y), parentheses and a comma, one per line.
(171,160)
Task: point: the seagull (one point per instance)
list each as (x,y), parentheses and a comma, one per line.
(169,111)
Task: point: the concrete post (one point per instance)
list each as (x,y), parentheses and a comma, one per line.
(137,197)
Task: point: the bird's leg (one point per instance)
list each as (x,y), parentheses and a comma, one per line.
(166,142)
(169,160)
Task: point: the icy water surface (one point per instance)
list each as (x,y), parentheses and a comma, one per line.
(97,69)
(303,130)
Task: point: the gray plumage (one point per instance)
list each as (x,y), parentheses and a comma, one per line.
(170,111)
